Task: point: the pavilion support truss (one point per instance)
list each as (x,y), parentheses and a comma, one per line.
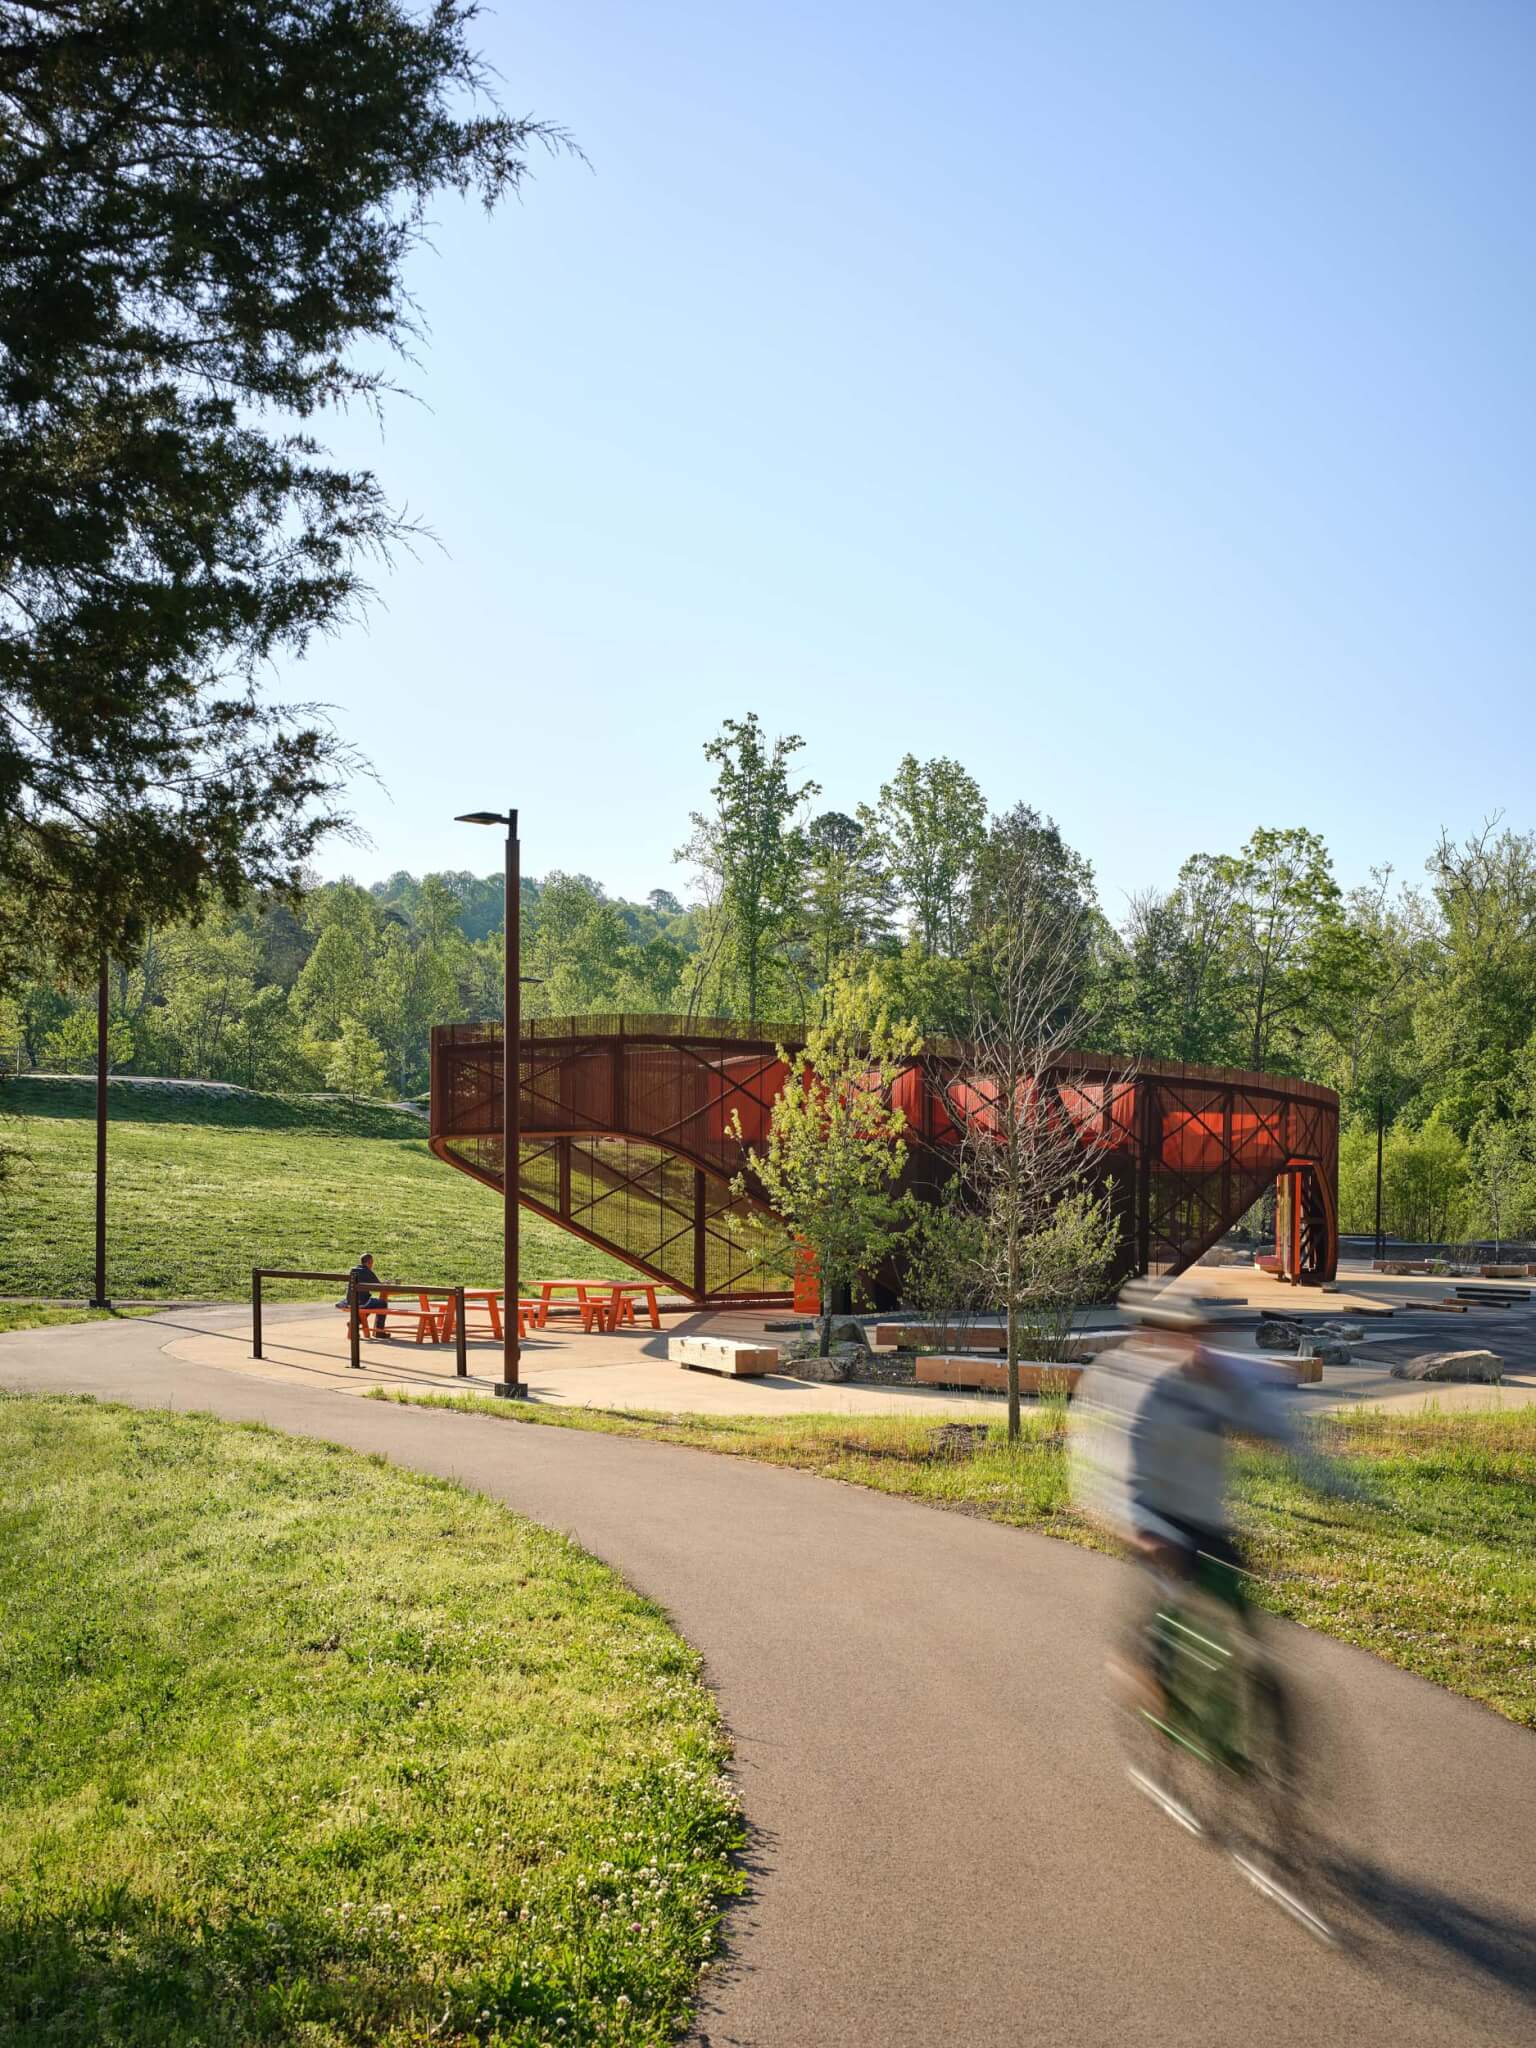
(637,1131)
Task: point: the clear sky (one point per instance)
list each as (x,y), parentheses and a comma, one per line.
(1132,399)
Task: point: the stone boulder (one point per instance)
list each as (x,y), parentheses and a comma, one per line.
(1326,1350)
(823,1371)
(1273,1336)
(1346,1333)
(1451,1365)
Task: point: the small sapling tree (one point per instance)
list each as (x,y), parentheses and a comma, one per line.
(1047,1239)
(834,1148)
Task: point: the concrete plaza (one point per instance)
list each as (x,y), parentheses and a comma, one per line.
(306,1344)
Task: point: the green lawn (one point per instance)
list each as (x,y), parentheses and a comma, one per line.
(1434,1569)
(297,1747)
(204,1186)
(33,1315)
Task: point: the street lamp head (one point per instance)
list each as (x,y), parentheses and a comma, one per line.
(482,818)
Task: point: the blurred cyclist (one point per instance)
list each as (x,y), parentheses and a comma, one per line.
(1152,1423)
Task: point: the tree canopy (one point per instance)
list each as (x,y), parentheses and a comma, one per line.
(206,207)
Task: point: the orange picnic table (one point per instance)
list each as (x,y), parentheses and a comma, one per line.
(490,1299)
(616,1298)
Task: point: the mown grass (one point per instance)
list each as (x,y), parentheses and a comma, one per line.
(1432,1566)
(203,1186)
(1436,1568)
(297,1747)
(37,1315)
(1025,1484)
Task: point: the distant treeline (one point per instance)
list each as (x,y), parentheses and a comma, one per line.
(1417,1002)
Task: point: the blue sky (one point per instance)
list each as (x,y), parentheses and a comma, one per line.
(1131,400)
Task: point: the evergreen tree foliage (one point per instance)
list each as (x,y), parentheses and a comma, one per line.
(207,207)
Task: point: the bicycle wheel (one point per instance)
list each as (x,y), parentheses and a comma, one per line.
(1270,1823)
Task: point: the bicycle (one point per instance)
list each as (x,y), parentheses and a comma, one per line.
(1215,1738)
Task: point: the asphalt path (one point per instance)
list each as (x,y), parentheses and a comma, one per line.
(943,1846)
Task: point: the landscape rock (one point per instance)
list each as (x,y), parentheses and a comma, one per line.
(1451,1365)
(1346,1333)
(822,1371)
(1272,1336)
(846,1331)
(1326,1350)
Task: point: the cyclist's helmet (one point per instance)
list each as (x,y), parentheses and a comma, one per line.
(1167,1304)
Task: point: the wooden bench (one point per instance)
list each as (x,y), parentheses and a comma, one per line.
(946,1336)
(986,1339)
(990,1375)
(720,1354)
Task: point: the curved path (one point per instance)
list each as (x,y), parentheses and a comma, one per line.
(943,1849)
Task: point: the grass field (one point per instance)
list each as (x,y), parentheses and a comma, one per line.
(206,1185)
(299,1747)
(31,1315)
(1433,1569)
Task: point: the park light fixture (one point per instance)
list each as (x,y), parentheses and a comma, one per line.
(510,1385)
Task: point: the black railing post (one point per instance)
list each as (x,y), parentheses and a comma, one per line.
(460,1342)
(255,1311)
(352,1331)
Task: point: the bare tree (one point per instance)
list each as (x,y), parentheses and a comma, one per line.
(1031,1127)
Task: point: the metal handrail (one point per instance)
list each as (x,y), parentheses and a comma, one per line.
(454,1294)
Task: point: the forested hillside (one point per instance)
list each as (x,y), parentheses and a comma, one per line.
(1414,997)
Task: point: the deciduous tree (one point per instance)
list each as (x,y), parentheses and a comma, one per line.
(930,822)
(750,851)
(1024,1161)
(834,1148)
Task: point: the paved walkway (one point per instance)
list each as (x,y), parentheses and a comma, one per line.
(943,1849)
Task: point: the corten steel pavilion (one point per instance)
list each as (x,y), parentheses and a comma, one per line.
(633,1128)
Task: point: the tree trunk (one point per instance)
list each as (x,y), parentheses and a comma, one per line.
(825,1327)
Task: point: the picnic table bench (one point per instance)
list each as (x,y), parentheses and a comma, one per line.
(424,1315)
(606,1302)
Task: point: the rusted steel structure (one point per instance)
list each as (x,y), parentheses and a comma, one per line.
(633,1130)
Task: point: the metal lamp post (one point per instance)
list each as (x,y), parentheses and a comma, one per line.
(510,1385)
(100,1297)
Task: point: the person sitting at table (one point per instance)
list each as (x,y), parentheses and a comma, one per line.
(365,1279)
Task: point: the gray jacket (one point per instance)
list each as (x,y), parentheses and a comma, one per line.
(1150,1440)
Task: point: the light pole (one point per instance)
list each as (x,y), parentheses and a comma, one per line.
(100,1298)
(510,1385)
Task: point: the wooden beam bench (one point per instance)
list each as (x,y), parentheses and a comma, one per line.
(720,1354)
(985,1339)
(990,1375)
